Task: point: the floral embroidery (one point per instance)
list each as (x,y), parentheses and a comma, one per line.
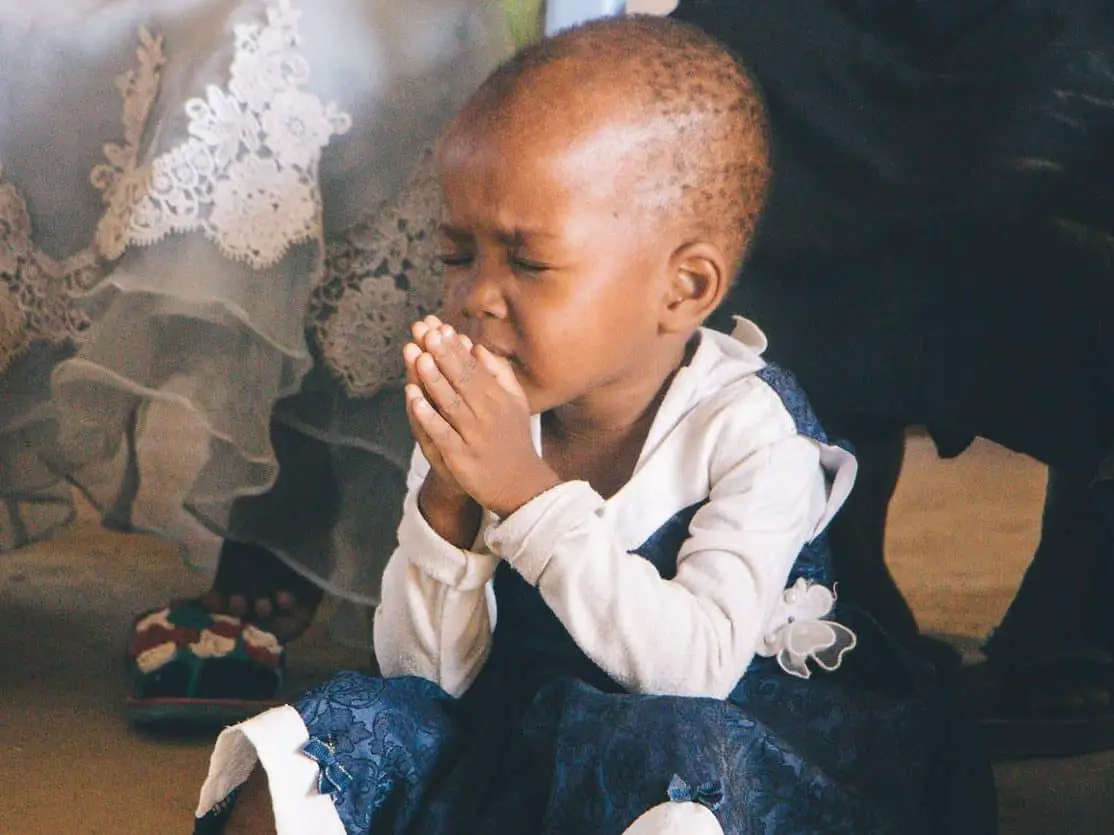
(13,339)
(378,279)
(248,175)
(36,306)
(161,618)
(257,638)
(121,181)
(212,645)
(152,659)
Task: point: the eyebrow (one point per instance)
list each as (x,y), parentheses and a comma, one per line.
(508,237)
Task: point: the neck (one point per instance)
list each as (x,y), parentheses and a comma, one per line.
(626,406)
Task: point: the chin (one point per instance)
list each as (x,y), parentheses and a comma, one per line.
(536,400)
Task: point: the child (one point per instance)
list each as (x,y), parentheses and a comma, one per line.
(611,585)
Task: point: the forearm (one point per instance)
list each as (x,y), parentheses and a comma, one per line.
(434,616)
(649,634)
(691,635)
(451,513)
(424,627)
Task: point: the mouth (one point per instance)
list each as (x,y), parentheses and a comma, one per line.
(502,353)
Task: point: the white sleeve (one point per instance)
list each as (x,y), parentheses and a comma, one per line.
(696,634)
(435,614)
(274,740)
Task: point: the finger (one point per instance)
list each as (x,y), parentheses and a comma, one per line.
(454,359)
(425,443)
(439,390)
(410,354)
(422,328)
(438,431)
(427,326)
(499,368)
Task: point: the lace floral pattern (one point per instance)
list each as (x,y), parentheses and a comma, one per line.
(13,338)
(385,736)
(247,177)
(35,289)
(378,279)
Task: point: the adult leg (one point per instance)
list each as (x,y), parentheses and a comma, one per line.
(1047,686)
(858,532)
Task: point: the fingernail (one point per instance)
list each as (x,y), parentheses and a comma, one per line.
(433,340)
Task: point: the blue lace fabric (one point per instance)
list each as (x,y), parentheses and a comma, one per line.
(545,742)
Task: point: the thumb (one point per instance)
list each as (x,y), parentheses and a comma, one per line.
(500,369)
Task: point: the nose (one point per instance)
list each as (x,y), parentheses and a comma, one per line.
(480,293)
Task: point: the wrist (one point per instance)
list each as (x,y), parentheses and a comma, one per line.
(442,491)
(452,513)
(524,490)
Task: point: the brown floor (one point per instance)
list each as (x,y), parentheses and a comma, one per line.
(961,535)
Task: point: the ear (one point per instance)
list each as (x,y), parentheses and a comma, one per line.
(699,280)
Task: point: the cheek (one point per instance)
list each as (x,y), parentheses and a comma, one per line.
(560,343)
(453,297)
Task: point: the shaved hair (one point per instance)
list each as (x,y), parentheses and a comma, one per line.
(705,153)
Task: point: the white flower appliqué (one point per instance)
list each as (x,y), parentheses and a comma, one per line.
(798,632)
(248,175)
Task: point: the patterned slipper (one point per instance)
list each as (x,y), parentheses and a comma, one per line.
(191,667)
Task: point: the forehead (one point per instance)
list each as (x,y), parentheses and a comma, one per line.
(495,178)
(586,147)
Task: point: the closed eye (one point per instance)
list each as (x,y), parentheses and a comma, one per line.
(455,259)
(526,266)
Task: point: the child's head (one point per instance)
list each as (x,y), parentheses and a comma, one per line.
(601,189)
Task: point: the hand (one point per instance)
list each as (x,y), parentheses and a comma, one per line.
(448,509)
(411,352)
(468,408)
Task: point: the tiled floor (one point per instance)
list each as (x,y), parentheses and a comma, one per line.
(961,535)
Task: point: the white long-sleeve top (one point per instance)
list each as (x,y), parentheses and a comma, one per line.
(723,435)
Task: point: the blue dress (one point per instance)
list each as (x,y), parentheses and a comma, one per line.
(545,742)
